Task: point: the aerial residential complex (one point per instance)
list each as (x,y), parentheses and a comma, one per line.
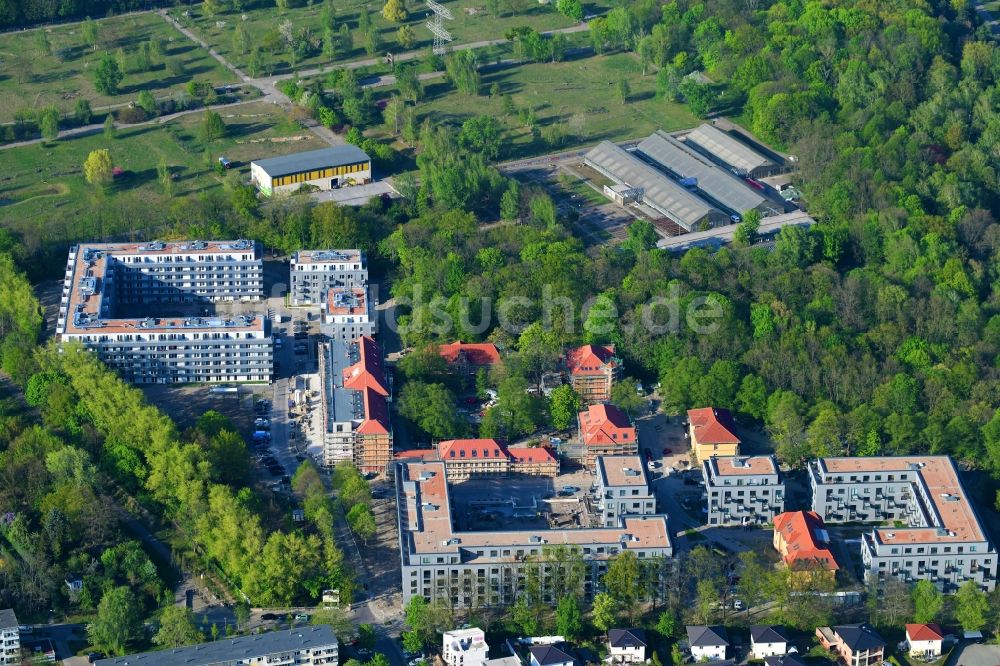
(939,537)
(485,458)
(113,293)
(315,272)
(742,489)
(355,412)
(10,638)
(623,489)
(308,646)
(324,169)
(482,568)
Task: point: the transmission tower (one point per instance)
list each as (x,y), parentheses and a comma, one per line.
(436,25)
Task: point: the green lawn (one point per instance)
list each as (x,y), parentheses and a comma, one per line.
(471,23)
(579,98)
(30,78)
(43,190)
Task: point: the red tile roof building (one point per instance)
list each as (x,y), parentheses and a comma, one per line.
(469,357)
(802,540)
(593,369)
(711,433)
(606,431)
(485,458)
(355,409)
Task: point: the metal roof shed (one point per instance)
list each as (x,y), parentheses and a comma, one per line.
(727,149)
(312,160)
(658,190)
(715,182)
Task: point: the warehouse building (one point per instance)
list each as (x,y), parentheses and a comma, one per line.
(104,280)
(355,407)
(696,172)
(486,568)
(309,646)
(661,193)
(315,272)
(326,169)
(742,490)
(730,152)
(936,534)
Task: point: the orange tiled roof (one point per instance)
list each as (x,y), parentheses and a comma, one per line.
(471,449)
(590,359)
(476,353)
(712,426)
(605,424)
(367,372)
(924,632)
(804,552)
(531,454)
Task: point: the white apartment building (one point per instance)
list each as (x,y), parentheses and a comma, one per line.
(10,638)
(315,272)
(307,646)
(464,647)
(938,538)
(485,568)
(348,313)
(742,490)
(623,488)
(103,281)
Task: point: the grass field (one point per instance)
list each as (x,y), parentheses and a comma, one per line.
(471,23)
(42,191)
(579,97)
(34,76)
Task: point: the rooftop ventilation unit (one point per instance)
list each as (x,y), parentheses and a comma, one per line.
(631,472)
(88,286)
(330,255)
(426,476)
(148,322)
(241,244)
(154,246)
(198,245)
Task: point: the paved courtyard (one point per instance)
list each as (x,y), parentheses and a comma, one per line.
(357,195)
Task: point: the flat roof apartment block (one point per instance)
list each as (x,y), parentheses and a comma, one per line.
(485,568)
(743,490)
(312,646)
(315,272)
(348,313)
(326,169)
(10,638)
(938,538)
(464,647)
(355,409)
(623,489)
(103,279)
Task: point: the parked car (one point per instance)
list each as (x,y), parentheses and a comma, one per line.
(571,489)
(302,617)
